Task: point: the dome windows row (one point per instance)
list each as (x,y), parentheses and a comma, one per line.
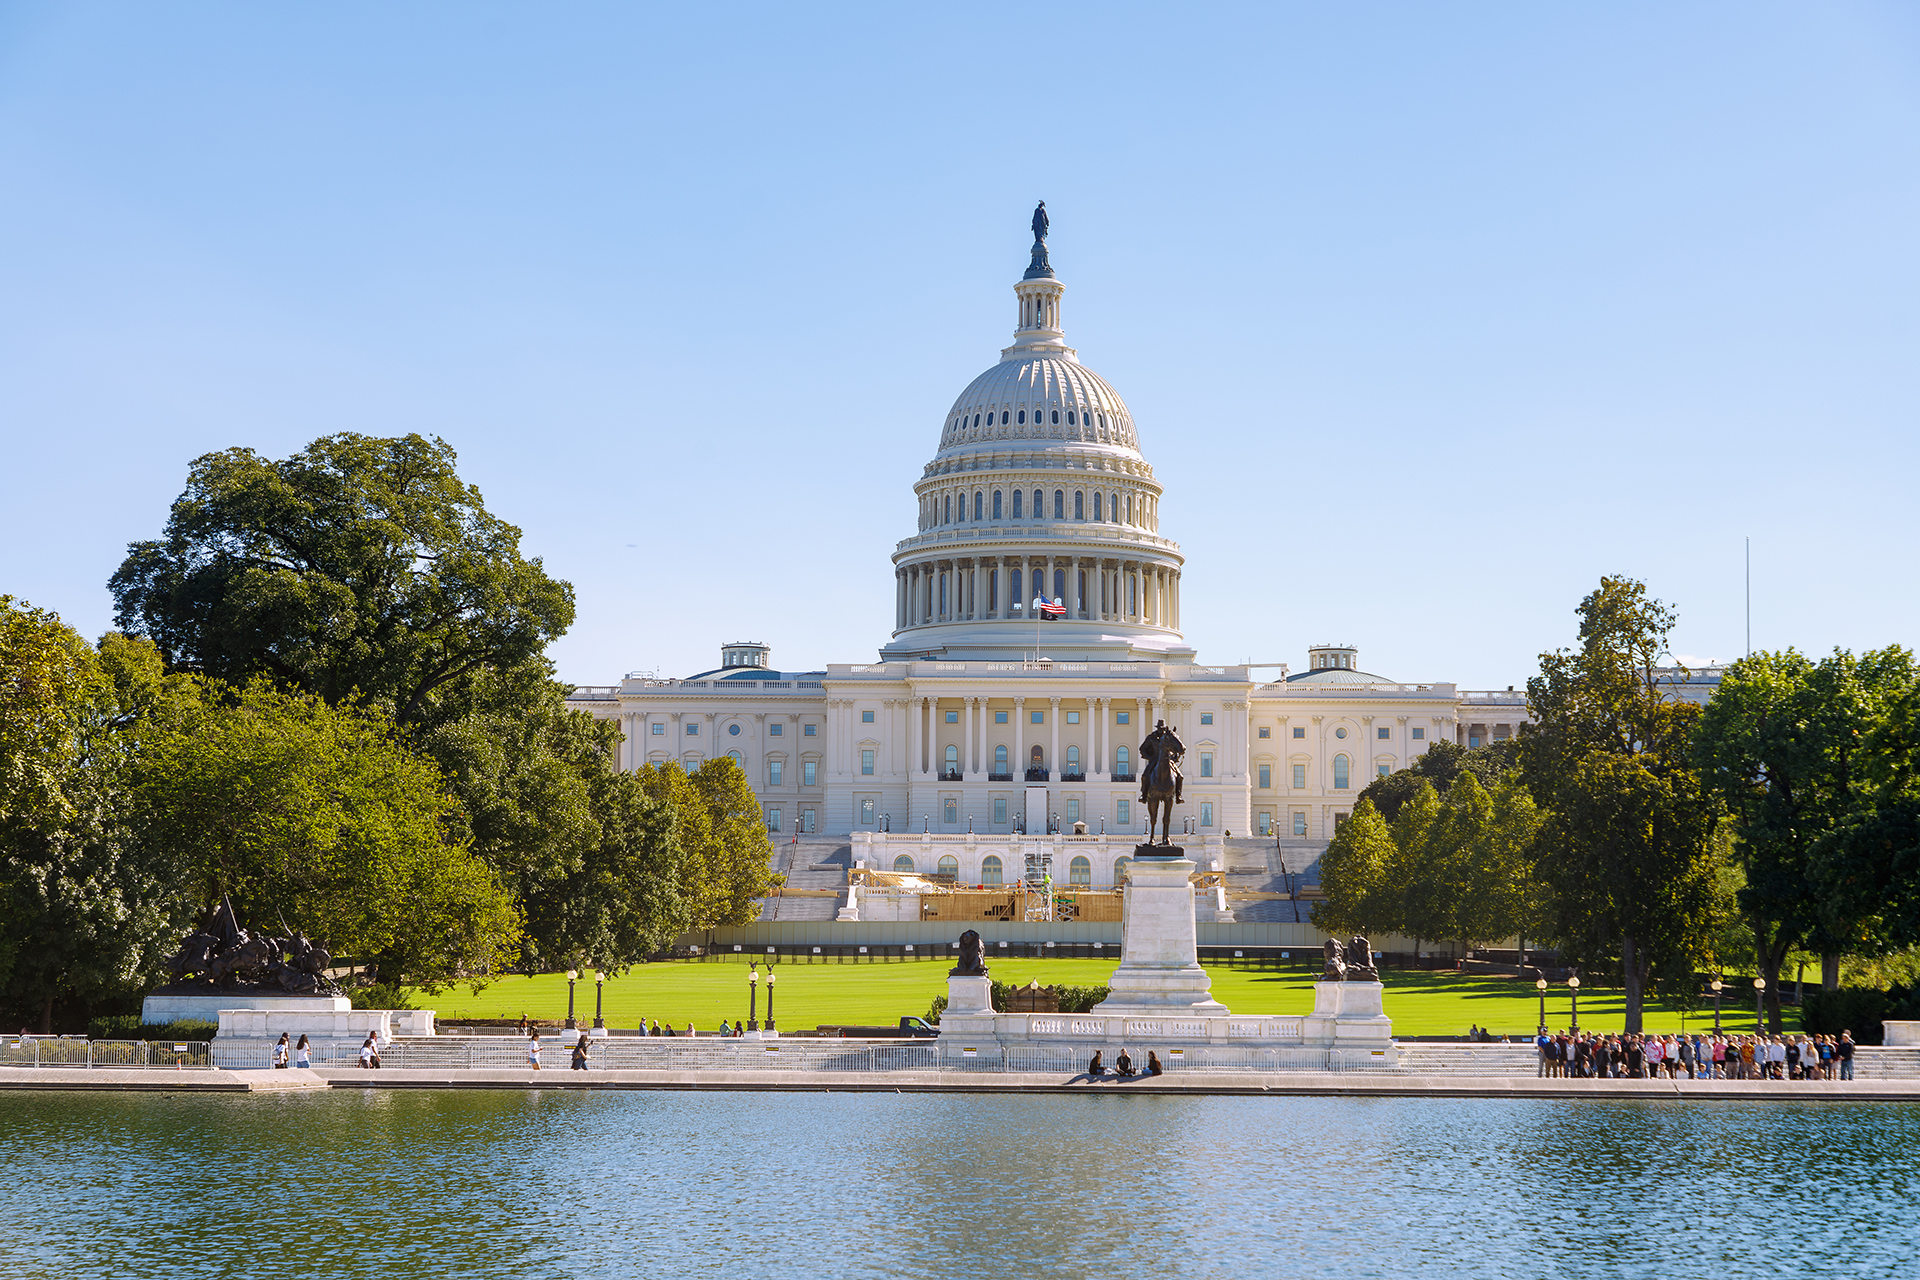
(996,504)
(1086,423)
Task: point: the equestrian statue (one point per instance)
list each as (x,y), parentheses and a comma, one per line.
(1160,779)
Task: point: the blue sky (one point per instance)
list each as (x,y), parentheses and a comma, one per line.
(1428,315)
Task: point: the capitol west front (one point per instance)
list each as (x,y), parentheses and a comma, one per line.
(980,717)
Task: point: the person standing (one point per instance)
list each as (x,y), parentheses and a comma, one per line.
(281,1052)
(1844,1052)
(1544,1044)
(303,1053)
(580,1053)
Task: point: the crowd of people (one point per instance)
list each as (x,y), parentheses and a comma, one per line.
(1585,1055)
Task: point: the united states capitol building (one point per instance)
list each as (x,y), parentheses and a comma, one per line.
(981,718)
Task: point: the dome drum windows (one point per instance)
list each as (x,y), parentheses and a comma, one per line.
(1023,417)
(996,504)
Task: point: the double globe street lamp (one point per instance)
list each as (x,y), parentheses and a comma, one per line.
(1760,1005)
(1573,993)
(572,975)
(1716,986)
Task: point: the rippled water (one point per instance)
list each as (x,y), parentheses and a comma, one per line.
(485,1184)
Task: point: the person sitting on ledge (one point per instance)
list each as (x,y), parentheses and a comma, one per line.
(726,1028)
(1153,1064)
(1096,1067)
(1123,1066)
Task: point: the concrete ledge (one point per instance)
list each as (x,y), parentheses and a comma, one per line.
(160,1080)
(1305,1084)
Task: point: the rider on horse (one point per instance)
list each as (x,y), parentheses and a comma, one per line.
(1162,744)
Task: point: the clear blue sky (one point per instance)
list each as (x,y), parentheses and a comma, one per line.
(1429,315)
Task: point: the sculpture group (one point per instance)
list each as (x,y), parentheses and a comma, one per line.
(223,955)
(1350,963)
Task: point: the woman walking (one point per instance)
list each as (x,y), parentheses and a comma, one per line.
(533,1050)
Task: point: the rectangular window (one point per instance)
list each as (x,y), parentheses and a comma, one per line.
(693,731)
(809,730)
(1385,769)
(866,717)
(1206,813)
(950,811)
(1299,732)
(776,730)
(953,717)
(1206,764)
(1266,824)
(1473,740)
(810,773)
(1073,717)
(1123,812)
(1339,821)
(1300,776)
(774,769)
(1266,777)
(773,819)
(1039,717)
(806,820)
(1419,735)
(1384,734)
(866,813)
(1206,717)
(1073,811)
(999,717)
(1122,717)
(659,731)
(1299,824)
(999,808)
(866,763)
(1265,732)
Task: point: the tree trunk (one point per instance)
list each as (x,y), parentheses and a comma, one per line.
(1829,971)
(46,1015)
(1635,990)
(1771,958)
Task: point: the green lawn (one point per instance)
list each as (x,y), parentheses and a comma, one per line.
(1420,1004)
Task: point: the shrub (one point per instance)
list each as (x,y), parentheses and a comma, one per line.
(379,995)
(1859,1009)
(939,1007)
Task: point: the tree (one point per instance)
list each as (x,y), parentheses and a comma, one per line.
(1629,854)
(85,912)
(1503,894)
(723,865)
(1781,744)
(358,566)
(1868,868)
(1353,874)
(322,816)
(1440,764)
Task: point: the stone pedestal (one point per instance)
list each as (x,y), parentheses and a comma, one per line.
(1347,1017)
(1900,1034)
(158,1009)
(969,995)
(1159,971)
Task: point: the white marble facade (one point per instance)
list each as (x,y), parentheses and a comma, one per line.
(981,716)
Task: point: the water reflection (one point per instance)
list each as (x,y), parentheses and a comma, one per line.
(484,1184)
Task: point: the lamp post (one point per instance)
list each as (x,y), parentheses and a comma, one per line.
(753,998)
(1715,986)
(770,977)
(1759,1005)
(1540,985)
(1573,994)
(572,975)
(599,994)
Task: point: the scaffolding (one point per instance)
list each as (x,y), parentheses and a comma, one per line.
(1036,884)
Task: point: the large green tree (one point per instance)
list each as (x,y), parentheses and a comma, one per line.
(1784,744)
(722,839)
(1440,764)
(86,910)
(359,565)
(1628,845)
(1868,869)
(322,815)
(1353,875)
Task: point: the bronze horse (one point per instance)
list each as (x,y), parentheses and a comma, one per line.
(1158,787)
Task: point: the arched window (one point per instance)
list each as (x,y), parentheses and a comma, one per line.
(903,865)
(1039,503)
(1069,417)
(1059,504)
(976,421)
(1037,757)
(735,757)
(990,869)
(953,759)
(949,519)
(1122,762)
(1129,508)
(1023,417)
(1120,870)
(976,504)
(1073,759)
(1080,872)
(1000,759)
(996,504)
(1016,509)
(949,866)
(1339,773)
(1096,506)
(1079,505)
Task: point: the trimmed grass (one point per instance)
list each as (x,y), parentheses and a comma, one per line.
(1420,1003)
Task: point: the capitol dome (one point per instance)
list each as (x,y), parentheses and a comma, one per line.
(1038,493)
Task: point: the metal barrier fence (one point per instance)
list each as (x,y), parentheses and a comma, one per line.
(32,1051)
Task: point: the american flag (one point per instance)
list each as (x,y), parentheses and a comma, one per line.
(1048,609)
